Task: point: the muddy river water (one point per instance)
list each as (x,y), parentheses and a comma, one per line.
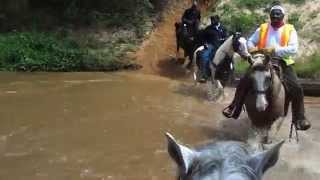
(110,126)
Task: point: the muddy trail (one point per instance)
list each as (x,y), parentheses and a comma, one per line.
(157,54)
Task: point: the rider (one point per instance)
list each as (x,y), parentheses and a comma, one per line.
(281,40)
(192,17)
(215,33)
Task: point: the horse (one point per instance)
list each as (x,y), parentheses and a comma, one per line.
(225,160)
(185,39)
(221,69)
(265,101)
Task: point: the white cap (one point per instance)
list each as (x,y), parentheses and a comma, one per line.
(279,8)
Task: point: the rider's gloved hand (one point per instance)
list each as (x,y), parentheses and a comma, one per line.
(268,50)
(253,50)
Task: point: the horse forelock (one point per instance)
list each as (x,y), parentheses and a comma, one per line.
(259,62)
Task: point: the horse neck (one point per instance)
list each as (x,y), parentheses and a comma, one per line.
(227,46)
(276,83)
(223,50)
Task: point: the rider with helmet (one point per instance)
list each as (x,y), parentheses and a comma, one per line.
(215,33)
(281,40)
(191,17)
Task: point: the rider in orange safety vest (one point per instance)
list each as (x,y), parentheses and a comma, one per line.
(281,40)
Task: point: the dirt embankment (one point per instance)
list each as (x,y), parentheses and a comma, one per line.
(157,54)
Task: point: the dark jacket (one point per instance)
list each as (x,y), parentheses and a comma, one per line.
(215,34)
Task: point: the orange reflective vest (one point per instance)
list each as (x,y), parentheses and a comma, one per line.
(284,39)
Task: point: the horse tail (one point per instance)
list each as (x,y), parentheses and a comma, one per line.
(177,28)
(194,59)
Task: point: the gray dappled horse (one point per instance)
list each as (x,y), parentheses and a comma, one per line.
(265,101)
(223,59)
(228,160)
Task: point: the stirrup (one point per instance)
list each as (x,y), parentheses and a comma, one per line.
(227,114)
(296,130)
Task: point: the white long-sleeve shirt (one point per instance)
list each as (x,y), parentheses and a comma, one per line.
(273,40)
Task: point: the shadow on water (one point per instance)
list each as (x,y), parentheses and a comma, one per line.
(171,68)
(190,90)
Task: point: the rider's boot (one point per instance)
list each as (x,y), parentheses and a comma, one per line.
(302,124)
(235,108)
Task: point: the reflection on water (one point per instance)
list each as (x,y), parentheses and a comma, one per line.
(62,126)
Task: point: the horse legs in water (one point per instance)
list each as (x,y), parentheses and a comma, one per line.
(215,88)
(195,70)
(263,137)
(295,129)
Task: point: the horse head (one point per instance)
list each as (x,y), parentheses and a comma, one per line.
(227,160)
(239,45)
(261,75)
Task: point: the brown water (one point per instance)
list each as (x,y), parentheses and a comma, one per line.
(100,126)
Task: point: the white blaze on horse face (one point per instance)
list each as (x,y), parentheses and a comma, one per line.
(261,101)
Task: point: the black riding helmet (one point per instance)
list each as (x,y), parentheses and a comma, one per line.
(215,19)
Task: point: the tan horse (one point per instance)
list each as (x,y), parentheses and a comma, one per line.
(265,102)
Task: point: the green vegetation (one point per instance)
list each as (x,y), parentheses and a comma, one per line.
(73,35)
(34,51)
(310,68)
(294,20)
(245,23)
(296,1)
(240,21)
(241,67)
(251,4)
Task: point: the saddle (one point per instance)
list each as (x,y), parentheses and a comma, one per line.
(223,70)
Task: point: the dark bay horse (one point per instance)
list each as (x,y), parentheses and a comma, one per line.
(187,40)
(265,101)
(226,160)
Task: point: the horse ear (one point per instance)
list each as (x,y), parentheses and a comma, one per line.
(261,162)
(183,156)
(236,35)
(250,60)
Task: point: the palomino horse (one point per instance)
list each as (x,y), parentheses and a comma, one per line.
(265,101)
(221,67)
(226,160)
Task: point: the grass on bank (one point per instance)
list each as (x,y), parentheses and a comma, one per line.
(83,36)
(35,51)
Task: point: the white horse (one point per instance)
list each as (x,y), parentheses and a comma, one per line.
(234,44)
